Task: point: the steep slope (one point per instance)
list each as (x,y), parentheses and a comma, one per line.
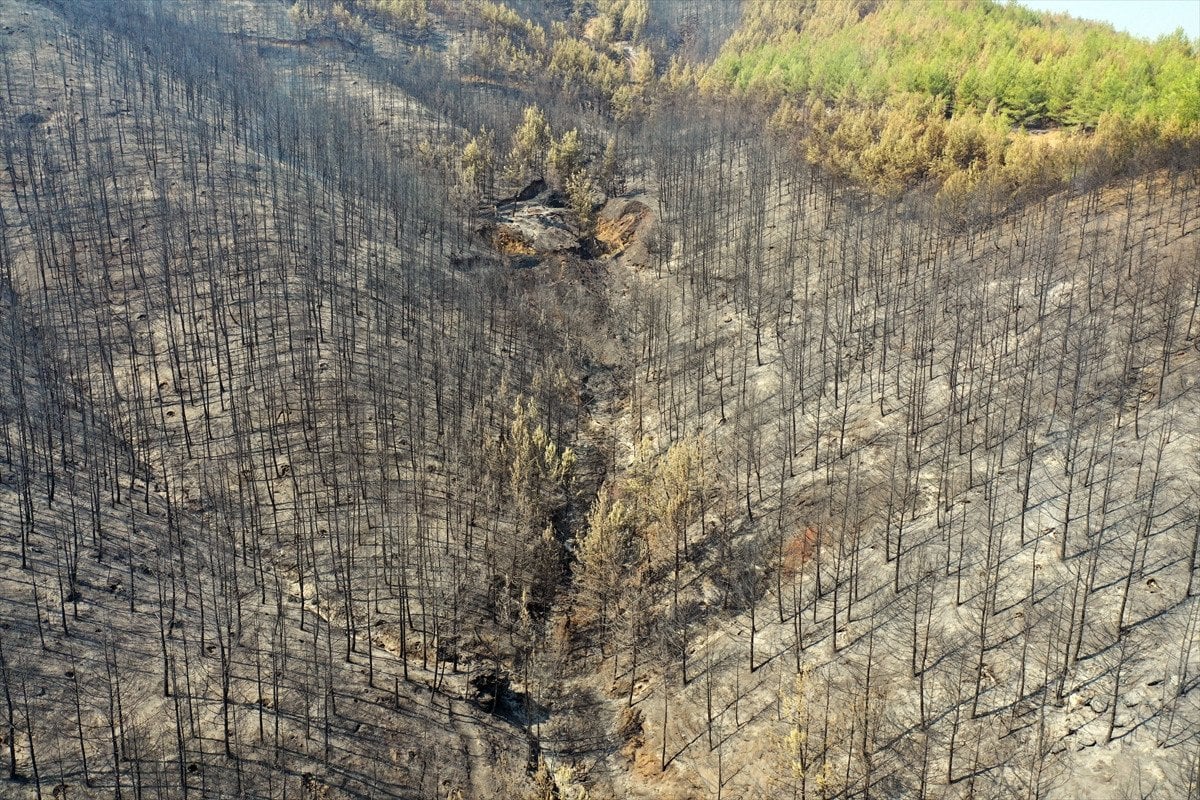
(956,499)
(743,483)
(276,356)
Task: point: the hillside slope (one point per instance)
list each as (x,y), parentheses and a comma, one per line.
(891,93)
(387,419)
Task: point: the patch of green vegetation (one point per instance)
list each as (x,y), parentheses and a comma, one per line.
(893,94)
(1032,69)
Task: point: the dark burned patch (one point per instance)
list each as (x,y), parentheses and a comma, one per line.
(469,263)
(591,247)
(31,118)
(531,191)
(495,695)
(553,199)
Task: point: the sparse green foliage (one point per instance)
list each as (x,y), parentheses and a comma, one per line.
(526,158)
(578,62)
(543,783)
(812,747)
(566,156)
(796,747)
(567,779)
(665,494)
(477,164)
(609,175)
(557,782)
(538,469)
(641,70)
(402,13)
(605,550)
(619,20)
(581,193)
(336,21)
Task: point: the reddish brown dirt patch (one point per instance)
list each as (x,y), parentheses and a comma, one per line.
(798,550)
